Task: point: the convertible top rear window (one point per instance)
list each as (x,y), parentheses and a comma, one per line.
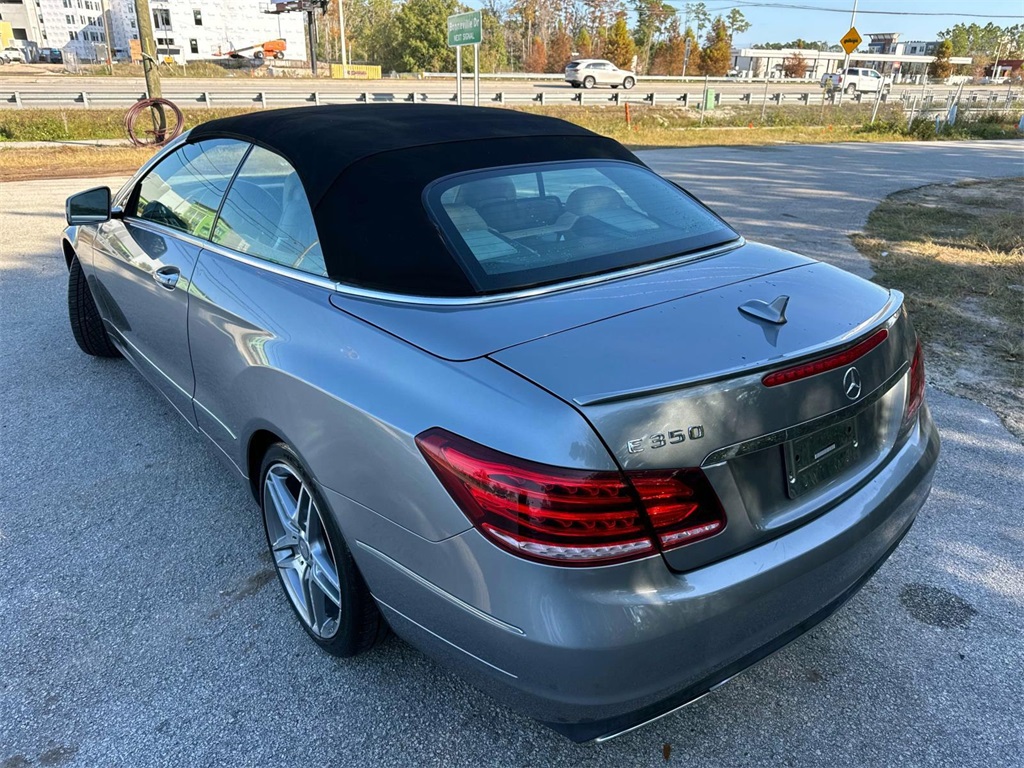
(528,225)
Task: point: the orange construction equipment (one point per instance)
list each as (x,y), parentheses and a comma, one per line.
(268,49)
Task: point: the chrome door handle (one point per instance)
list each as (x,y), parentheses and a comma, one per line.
(167,277)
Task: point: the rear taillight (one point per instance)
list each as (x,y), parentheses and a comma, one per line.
(830,363)
(571,516)
(915,394)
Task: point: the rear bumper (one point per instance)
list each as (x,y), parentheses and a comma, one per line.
(596,651)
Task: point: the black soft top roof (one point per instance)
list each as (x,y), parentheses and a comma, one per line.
(364,168)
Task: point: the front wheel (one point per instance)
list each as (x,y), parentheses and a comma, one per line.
(628,83)
(279,55)
(588,82)
(313,563)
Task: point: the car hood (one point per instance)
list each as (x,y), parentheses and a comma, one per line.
(465,331)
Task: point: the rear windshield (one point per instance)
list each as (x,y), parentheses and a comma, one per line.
(528,225)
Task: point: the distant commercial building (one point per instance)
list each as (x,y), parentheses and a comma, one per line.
(902,65)
(185,30)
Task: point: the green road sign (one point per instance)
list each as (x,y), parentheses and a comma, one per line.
(465,29)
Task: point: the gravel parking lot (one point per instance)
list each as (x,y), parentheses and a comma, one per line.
(142,625)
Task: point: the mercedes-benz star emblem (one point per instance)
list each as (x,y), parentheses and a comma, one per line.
(852,383)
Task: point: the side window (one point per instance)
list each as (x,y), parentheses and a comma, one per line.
(266,214)
(185,189)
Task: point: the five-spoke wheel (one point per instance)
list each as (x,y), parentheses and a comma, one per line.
(312,560)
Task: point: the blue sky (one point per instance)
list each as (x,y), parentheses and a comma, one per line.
(782,24)
(829,19)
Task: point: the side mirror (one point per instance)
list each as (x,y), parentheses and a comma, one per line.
(89,207)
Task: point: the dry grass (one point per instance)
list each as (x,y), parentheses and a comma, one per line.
(957,251)
(65,162)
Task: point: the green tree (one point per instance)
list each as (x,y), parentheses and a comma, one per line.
(736,22)
(370,27)
(584,44)
(619,47)
(942,67)
(494,53)
(717,54)
(698,14)
(559,50)
(692,64)
(422,35)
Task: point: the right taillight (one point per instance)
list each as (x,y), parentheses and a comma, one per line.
(915,395)
(569,516)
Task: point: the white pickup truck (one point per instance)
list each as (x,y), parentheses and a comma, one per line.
(856,80)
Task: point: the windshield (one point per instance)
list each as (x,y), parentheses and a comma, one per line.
(533,224)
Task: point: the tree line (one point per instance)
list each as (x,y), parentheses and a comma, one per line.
(536,35)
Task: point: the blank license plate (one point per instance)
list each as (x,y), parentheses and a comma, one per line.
(818,457)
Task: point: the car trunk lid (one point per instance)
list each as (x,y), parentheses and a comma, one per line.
(679,384)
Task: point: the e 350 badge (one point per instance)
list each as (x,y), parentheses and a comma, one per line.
(660,440)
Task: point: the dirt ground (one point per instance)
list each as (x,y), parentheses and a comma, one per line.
(957,252)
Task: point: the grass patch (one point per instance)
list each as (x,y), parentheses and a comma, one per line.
(68,162)
(652,127)
(957,252)
(84,124)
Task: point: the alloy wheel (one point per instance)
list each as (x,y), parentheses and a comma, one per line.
(302,550)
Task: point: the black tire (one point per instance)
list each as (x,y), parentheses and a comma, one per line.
(589,82)
(851,90)
(279,54)
(258,55)
(628,83)
(360,625)
(86,323)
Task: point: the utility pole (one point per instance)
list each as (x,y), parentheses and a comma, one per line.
(341,24)
(311,34)
(853,23)
(149,64)
(105,10)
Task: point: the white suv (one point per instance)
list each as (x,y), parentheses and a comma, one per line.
(13,54)
(587,73)
(855,80)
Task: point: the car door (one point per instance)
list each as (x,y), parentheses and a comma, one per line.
(260,279)
(606,74)
(144,259)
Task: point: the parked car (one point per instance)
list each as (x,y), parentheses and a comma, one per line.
(586,73)
(51,55)
(13,55)
(497,385)
(856,80)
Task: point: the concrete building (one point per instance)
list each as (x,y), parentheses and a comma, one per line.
(26,26)
(184,30)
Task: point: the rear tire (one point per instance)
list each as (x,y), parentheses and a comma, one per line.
(851,90)
(313,563)
(86,323)
(628,83)
(279,55)
(588,82)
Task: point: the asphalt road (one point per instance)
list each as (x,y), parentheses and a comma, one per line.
(244,82)
(141,624)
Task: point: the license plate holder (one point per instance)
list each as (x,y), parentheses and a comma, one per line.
(818,457)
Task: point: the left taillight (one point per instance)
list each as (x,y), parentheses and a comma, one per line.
(915,393)
(570,516)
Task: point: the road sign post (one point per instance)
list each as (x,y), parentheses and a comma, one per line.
(466,29)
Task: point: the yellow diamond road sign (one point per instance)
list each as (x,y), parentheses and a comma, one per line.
(851,40)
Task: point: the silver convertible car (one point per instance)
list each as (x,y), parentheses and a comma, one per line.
(498,386)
